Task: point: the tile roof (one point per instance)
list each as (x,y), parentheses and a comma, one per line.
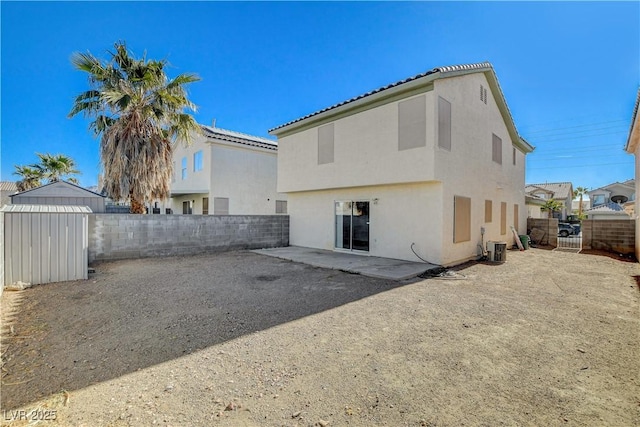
(447,71)
(239,137)
(630,184)
(633,120)
(610,207)
(561,190)
(8,186)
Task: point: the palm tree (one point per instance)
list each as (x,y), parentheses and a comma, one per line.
(55,167)
(551,206)
(30,177)
(139,114)
(580,192)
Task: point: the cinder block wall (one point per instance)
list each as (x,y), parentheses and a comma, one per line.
(615,235)
(550,228)
(123,236)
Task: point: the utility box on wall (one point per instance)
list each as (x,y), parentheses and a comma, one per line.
(44,244)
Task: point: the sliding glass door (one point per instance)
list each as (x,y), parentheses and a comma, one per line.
(352,225)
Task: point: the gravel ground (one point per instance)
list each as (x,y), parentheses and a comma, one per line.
(240,339)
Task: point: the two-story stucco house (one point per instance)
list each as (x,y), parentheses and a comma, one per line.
(226,173)
(561,192)
(418,169)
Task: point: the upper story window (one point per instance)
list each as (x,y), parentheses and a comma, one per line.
(497,149)
(412,123)
(184,168)
(444,124)
(325,144)
(197,161)
(598,199)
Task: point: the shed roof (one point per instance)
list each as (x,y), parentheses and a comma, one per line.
(46,209)
(63,184)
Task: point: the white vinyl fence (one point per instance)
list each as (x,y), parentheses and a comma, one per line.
(44,244)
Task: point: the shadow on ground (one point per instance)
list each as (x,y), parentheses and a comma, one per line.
(137,313)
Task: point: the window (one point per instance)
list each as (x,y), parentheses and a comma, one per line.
(444,124)
(281,206)
(514,156)
(412,123)
(325,144)
(197,161)
(503,218)
(461,219)
(184,168)
(497,149)
(488,211)
(221,206)
(186,208)
(205,206)
(598,199)
(516,215)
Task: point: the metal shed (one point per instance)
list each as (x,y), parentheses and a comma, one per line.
(44,244)
(60,193)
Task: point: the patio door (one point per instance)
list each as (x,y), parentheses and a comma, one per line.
(352,225)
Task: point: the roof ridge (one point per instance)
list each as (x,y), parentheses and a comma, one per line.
(445,69)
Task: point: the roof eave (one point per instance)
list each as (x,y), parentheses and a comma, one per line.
(422,84)
(634,133)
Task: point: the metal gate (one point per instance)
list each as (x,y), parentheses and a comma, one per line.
(569,238)
(44,244)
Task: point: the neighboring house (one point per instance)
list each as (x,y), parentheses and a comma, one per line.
(418,169)
(617,192)
(633,147)
(225,173)
(559,191)
(575,205)
(7,188)
(608,210)
(534,206)
(60,193)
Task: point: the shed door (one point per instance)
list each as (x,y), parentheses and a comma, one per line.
(45,247)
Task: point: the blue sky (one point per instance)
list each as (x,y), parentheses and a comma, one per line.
(570,71)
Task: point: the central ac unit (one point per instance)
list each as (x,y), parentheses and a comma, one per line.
(497,251)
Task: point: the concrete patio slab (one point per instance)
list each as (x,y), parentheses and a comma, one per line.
(381,268)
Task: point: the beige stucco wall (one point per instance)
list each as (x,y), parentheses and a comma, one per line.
(365,153)
(245,175)
(468,169)
(196,181)
(534,211)
(403,214)
(415,187)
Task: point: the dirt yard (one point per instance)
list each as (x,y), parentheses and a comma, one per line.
(240,339)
